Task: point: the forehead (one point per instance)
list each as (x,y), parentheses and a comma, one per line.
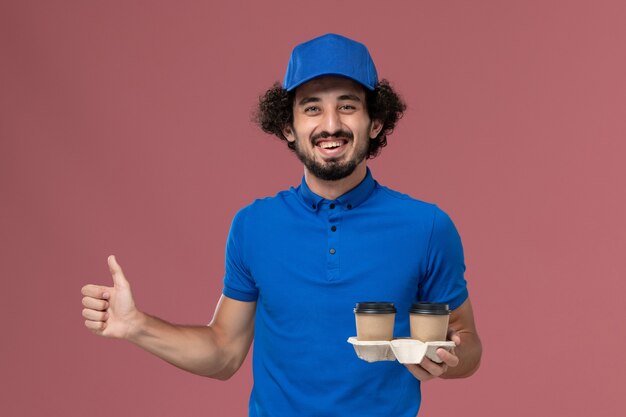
(329,86)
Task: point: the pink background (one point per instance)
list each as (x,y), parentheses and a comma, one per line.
(124,129)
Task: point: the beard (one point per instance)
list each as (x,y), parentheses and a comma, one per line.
(331,169)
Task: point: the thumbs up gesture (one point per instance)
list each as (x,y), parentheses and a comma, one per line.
(110,311)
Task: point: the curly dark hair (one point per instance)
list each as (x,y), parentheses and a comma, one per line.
(275,112)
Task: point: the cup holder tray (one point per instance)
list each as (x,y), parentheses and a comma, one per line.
(404,350)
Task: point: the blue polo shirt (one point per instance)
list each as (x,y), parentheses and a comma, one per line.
(307,261)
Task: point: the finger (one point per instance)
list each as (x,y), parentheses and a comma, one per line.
(119,280)
(454,336)
(418,372)
(448,358)
(95,303)
(94,315)
(95,291)
(95,326)
(433,368)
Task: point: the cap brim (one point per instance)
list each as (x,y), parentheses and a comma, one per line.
(327,74)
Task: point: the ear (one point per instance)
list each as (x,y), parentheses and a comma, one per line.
(288,133)
(375,128)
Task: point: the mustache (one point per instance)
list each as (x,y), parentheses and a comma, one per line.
(337,134)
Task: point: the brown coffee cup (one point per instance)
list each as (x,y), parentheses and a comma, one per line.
(374,320)
(429,321)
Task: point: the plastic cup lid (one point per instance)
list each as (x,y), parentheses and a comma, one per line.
(374,307)
(430,308)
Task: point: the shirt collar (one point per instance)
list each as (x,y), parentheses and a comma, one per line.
(349,200)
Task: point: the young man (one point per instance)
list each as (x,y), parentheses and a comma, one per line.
(297,263)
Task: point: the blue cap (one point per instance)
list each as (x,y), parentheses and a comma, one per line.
(330,54)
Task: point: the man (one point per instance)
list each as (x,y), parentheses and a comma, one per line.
(297,263)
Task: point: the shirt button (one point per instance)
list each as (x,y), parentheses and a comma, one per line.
(332,251)
(313,205)
(349,206)
(333,228)
(332,206)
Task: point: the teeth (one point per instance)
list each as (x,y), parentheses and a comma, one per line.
(327,145)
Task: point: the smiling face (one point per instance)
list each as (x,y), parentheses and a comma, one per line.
(331,127)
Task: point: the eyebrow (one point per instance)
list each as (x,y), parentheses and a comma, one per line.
(349,97)
(307,100)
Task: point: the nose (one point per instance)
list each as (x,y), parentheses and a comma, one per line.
(331,121)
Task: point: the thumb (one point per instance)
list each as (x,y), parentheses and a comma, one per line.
(454,336)
(119,280)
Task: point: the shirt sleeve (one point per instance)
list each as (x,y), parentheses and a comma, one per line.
(238,281)
(444,281)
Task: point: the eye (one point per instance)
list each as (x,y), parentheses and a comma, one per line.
(348,107)
(311,109)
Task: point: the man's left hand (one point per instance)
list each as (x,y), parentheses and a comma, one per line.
(428,369)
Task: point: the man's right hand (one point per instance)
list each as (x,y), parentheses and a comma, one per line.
(216,350)
(110,311)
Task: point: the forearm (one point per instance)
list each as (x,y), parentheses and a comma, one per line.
(469,352)
(195,349)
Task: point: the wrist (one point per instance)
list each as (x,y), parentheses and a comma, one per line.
(136,326)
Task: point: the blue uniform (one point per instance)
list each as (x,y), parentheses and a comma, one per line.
(307,261)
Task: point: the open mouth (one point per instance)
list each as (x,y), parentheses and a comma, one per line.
(331,147)
(331,144)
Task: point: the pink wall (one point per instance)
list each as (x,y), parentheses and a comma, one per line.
(124,128)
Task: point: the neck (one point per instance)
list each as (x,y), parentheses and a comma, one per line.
(330,190)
